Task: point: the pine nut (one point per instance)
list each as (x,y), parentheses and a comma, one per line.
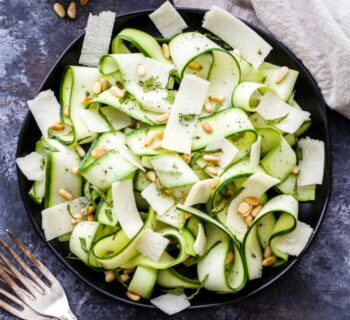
(109,276)
(65,194)
(282,74)
(59,9)
(77,216)
(195,66)
(99,152)
(151,176)
(150,137)
(117,92)
(244,209)
(86,101)
(212,170)
(90,217)
(207,127)
(249,220)
(256,210)
(165,49)
(229,257)
(124,277)
(162,117)
(237,53)
(80,151)
(295,169)
(133,296)
(187,158)
(72,10)
(187,215)
(75,221)
(217,99)
(214,183)
(208,107)
(104,84)
(97,87)
(252,201)
(66,111)
(158,185)
(168,191)
(210,158)
(141,70)
(57,127)
(75,171)
(90,209)
(84,2)
(128,270)
(269,261)
(267,252)
(159,134)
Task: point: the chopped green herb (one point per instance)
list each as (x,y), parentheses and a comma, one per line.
(83,244)
(125,98)
(184,118)
(108,213)
(171,96)
(176,291)
(150,84)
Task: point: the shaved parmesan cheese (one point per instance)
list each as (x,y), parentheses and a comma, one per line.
(57,220)
(255,153)
(171,303)
(183,118)
(312,164)
(159,70)
(272,107)
(117,119)
(32,166)
(129,156)
(152,244)
(125,207)
(237,34)
(227,151)
(255,186)
(98,34)
(93,120)
(201,241)
(157,199)
(294,242)
(45,109)
(167,20)
(200,193)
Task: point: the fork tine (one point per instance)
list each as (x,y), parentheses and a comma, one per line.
(32,258)
(30,285)
(21,262)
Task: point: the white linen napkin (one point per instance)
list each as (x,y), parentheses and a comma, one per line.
(317,31)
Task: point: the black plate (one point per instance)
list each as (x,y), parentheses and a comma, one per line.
(309,97)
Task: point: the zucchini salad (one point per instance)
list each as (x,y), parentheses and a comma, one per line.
(175,162)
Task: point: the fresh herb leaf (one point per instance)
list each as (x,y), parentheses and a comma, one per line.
(108,213)
(171,96)
(184,118)
(150,84)
(176,291)
(125,98)
(83,244)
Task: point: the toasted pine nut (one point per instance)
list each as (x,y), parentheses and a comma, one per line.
(187,158)
(133,296)
(75,171)
(124,277)
(66,111)
(97,87)
(162,117)
(141,70)
(57,126)
(75,221)
(90,209)
(151,176)
(59,9)
(65,194)
(72,10)
(269,261)
(117,92)
(109,276)
(99,152)
(159,134)
(84,2)
(187,215)
(150,137)
(104,84)
(168,191)
(212,170)
(217,99)
(282,74)
(86,101)
(77,216)
(128,270)
(195,66)
(252,201)
(90,217)
(267,252)
(237,53)
(249,220)
(214,183)
(244,209)
(165,49)
(158,185)
(295,169)
(229,257)
(207,127)
(210,158)
(208,107)
(80,151)
(256,210)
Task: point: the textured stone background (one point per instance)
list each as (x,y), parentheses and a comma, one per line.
(31,39)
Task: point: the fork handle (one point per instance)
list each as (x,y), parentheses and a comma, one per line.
(68,316)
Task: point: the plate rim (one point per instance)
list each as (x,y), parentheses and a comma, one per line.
(328,169)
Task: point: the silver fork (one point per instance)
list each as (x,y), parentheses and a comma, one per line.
(47,300)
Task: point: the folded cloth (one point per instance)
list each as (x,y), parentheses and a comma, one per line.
(315,30)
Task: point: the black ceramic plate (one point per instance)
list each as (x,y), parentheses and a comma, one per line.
(309,97)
